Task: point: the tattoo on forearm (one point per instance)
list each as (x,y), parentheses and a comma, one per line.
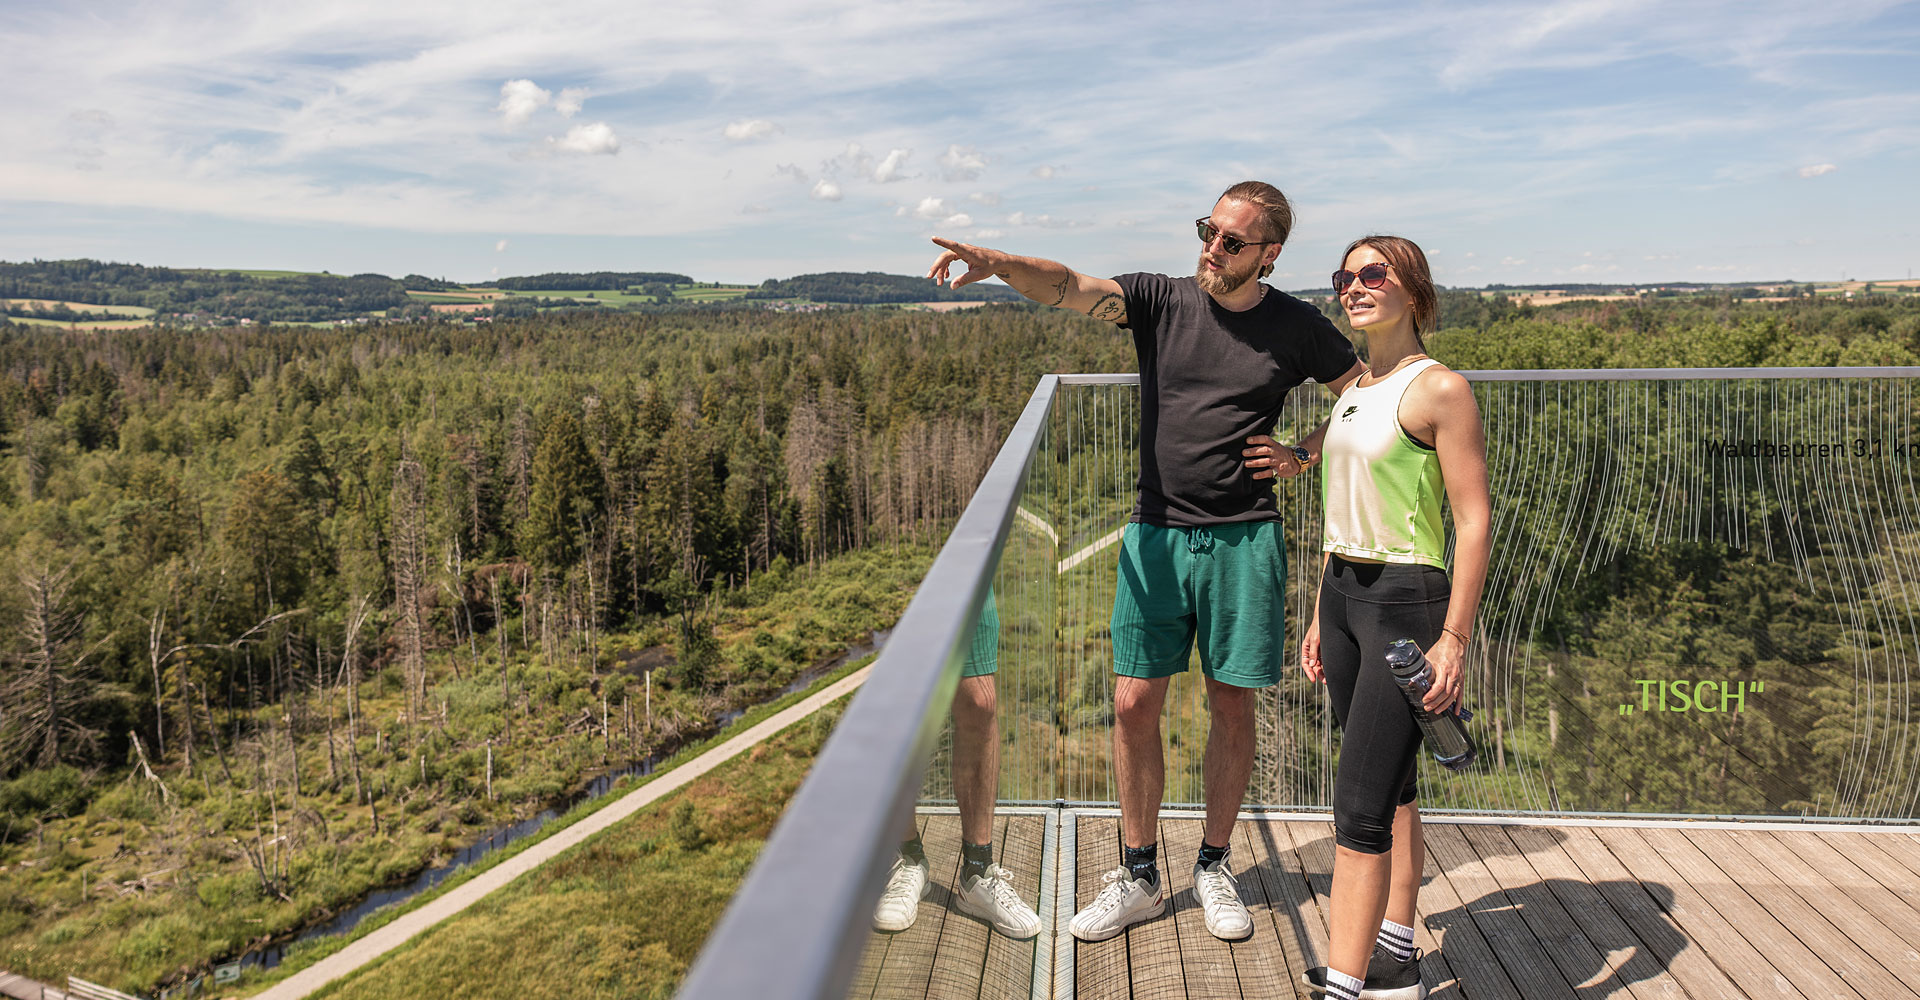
(1109,307)
(1060,288)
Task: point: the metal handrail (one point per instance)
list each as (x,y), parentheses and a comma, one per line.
(790,932)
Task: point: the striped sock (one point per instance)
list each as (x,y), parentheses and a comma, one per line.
(1397,939)
(1341,986)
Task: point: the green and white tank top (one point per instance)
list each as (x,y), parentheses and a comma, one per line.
(1381,491)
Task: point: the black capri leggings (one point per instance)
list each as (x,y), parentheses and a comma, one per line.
(1363,607)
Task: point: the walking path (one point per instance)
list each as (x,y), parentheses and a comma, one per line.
(387,938)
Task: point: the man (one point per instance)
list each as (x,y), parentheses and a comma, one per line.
(1202,556)
(984,890)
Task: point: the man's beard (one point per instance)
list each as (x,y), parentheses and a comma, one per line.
(1222,282)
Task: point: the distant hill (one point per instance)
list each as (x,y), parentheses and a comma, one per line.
(874,287)
(596,281)
(176,291)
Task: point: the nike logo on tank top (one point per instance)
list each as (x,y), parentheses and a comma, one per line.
(1380,491)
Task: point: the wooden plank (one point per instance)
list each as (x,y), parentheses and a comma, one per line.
(1619,918)
(1153,950)
(1009,966)
(1099,969)
(1585,967)
(1496,917)
(874,956)
(1435,971)
(1259,962)
(1682,898)
(1890,930)
(1862,855)
(1441,928)
(1205,960)
(1899,846)
(1297,925)
(1820,917)
(907,972)
(1893,847)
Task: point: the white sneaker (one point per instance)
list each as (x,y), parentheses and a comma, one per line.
(992,898)
(1125,901)
(1219,896)
(907,885)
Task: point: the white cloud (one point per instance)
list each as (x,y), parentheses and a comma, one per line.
(755,209)
(570,101)
(963,164)
(1818,169)
(519,99)
(1044,221)
(889,168)
(932,208)
(958,219)
(500,247)
(750,129)
(597,138)
(985,197)
(825,190)
(1045,172)
(791,170)
(988,234)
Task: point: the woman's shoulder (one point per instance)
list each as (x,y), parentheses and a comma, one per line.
(1441,388)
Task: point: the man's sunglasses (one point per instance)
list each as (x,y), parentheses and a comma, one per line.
(1372,275)
(1231,244)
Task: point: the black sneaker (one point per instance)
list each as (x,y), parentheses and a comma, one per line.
(1388,978)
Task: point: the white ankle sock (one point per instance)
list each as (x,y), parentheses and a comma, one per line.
(1397,939)
(1341,986)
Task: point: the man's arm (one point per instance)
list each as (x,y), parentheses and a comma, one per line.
(1047,282)
(1270,460)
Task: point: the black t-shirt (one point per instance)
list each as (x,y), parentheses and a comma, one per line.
(1209,379)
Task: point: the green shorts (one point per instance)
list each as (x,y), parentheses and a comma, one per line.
(1223,586)
(983,654)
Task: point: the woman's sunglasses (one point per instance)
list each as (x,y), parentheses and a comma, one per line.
(1372,275)
(1231,244)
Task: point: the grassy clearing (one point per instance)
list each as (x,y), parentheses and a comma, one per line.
(624,914)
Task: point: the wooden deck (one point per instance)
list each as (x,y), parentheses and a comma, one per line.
(1508,912)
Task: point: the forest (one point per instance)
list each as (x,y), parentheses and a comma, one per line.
(291,611)
(874,287)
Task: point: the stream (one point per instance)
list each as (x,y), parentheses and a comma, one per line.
(270,955)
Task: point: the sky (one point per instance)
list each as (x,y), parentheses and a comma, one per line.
(1519,143)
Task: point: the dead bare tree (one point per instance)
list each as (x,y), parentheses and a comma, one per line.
(408,512)
(54,681)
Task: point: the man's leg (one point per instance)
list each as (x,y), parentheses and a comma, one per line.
(983,889)
(1229,760)
(976,756)
(1137,759)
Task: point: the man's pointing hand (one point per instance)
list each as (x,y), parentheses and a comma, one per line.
(980,263)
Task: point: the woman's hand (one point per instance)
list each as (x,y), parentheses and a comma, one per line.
(1310,653)
(1270,459)
(1448,656)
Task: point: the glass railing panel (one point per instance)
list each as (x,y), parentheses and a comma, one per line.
(1701,601)
(1659,538)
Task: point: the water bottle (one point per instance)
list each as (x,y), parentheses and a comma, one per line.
(1446,734)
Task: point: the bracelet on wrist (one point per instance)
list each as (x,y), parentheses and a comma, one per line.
(1456,633)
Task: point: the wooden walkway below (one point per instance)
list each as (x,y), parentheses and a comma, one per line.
(1507,912)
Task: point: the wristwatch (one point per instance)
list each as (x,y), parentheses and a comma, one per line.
(1301,455)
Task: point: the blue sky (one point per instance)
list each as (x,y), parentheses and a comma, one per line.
(1518,142)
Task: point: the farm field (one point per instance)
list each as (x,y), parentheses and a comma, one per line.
(127,311)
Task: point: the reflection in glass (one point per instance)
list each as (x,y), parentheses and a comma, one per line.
(1702,601)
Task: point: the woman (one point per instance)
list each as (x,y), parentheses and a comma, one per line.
(1400,435)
